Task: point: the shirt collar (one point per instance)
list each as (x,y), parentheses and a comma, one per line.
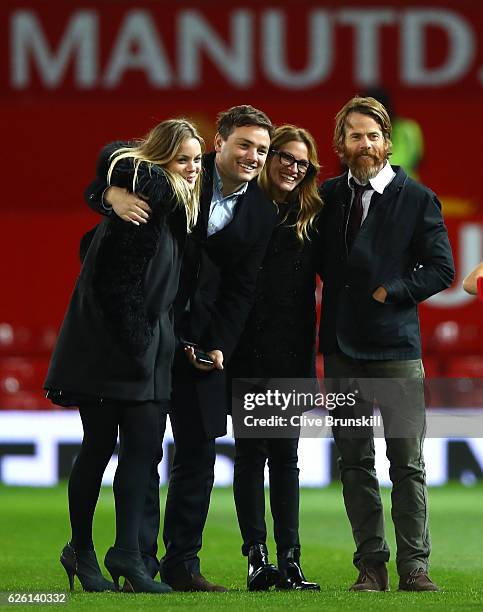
(378,182)
(218,186)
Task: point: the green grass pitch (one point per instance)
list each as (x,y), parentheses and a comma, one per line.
(34,527)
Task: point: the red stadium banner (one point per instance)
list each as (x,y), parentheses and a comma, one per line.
(76,75)
(192,47)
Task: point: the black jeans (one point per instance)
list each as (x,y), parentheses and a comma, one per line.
(248,486)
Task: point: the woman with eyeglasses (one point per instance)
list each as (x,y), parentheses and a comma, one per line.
(279,342)
(115,348)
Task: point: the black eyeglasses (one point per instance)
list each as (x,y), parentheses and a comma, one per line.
(287,159)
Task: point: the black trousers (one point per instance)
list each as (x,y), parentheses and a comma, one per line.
(189,489)
(250,457)
(149,527)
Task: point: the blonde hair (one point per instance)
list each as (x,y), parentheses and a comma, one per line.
(159,147)
(306,192)
(366,106)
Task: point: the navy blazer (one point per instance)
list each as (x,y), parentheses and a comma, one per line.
(403,246)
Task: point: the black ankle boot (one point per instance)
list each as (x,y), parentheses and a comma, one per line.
(84,565)
(129,564)
(292,576)
(261,574)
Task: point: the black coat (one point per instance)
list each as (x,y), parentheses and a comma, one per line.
(117,338)
(219,272)
(216,292)
(279,338)
(219,276)
(402,245)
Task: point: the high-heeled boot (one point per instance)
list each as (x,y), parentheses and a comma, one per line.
(84,565)
(261,574)
(292,576)
(130,565)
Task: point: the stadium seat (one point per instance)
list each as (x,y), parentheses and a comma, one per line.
(21,340)
(465,374)
(467,366)
(426,335)
(432,366)
(25,400)
(22,374)
(450,337)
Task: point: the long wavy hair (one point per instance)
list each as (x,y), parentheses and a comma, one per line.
(306,192)
(159,147)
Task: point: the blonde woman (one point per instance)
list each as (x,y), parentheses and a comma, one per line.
(279,342)
(115,348)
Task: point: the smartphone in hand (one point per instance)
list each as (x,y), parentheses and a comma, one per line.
(200,356)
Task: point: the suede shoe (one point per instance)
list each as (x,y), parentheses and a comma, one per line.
(417,580)
(194,582)
(371,578)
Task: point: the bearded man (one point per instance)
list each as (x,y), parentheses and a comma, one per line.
(385,249)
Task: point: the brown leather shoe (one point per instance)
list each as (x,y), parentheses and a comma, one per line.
(417,580)
(195,582)
(372,578)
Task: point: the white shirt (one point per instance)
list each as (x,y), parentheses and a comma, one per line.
(378,183)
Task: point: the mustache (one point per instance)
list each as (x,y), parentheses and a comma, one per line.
(366,154)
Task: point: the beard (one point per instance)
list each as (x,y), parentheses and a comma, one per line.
(364,166)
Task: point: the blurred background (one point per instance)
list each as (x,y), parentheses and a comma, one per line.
(75,75)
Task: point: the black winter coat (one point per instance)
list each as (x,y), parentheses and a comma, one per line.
(117,339)
(279,338)
(216,292)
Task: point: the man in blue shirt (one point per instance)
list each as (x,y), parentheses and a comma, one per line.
(217,286)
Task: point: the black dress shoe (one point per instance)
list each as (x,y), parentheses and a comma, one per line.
(291,574)
(194,582)
(129,564)
(84,565)
(261,574)
(371,578)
